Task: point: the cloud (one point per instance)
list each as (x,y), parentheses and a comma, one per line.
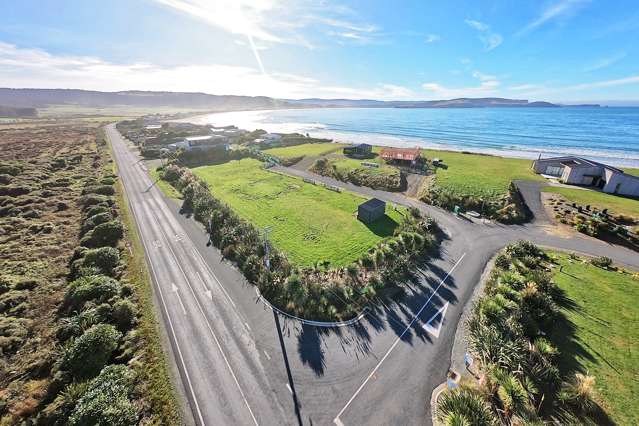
(525,87)
(489,38)
(432,38)
(36,68)
(605,62)
(488,85)
(560,10)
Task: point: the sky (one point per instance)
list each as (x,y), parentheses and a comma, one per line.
(568,51)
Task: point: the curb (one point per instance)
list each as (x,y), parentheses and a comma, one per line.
(326,324)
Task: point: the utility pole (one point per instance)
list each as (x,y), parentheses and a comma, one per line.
(267,260)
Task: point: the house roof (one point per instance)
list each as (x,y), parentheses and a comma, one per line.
(401,153)
(579,162)
(359,145)
(372,204)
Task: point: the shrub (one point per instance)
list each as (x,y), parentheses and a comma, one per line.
(99,189)
(106,401)
(103,258)
(94,220)
(601,262)
(104,234)
(5,179)
(107,180)
(124,314)
(467,406)
(97,209)
(85,356)
(98,288)
(94,199)
(10,169)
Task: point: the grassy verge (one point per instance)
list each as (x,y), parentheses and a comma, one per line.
(614,203)
(153,366)
(309,223)
(606,330)
(164,186)
(307,149)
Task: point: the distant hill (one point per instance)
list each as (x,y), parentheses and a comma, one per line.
(39,98)
(17,112)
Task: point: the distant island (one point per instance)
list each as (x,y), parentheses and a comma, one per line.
(41,98)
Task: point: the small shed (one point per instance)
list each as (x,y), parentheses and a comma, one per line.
(371,210)
(359,150)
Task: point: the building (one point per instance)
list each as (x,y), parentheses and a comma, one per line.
(359,150)
(401,154)
(371,210)
(580,171)
(201,143)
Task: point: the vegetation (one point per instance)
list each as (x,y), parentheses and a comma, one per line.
(384,177)
(600,332)
(309,223)
(303,150)
(522,380)
(615,204)
(316,292)
(478,182)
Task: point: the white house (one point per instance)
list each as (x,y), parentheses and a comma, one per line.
(201,143)
(580,171)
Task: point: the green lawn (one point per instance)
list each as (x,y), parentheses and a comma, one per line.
(164,186)
(601,200)
(604,344)
(345,164)
(634,172)
(309,223)
(307,149)
(479,175)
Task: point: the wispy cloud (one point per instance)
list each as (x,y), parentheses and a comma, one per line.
(37,68)
(488,85)
(432,38)
(605,62)
(489,38)
(562,9)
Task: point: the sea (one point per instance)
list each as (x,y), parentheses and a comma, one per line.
(605,134)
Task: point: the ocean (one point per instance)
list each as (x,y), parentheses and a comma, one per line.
(606,134)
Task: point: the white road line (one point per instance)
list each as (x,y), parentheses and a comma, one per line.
(166,311)
(207,292)
(247,326)
(429,325)
(206,320)
(289,388)
(267,355)
(337,420)
(175,290)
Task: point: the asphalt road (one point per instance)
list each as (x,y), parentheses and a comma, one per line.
(239,363)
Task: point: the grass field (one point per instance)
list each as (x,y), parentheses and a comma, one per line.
(309,223)
(613,203)
(479,175)
(344,165)
(606,322)
(307,149)
(164,186)
(634,172)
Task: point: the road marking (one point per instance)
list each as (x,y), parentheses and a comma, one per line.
(247,326)
(337,420)
(207,292)
(436,330)
(267,355)
(289,388)
(208,324)
(174,289)
(166,311)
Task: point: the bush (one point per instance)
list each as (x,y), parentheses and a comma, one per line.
(92,221)
(107,180)
(106,400)
(90,352)
(103,258)
(97,209)
(99,189)
(98,288)
(94,199)
(124,314)
(601,262)
(104,234)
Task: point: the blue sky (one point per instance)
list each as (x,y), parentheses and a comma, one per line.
(560,50)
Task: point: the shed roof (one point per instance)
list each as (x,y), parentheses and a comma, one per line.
(372,204)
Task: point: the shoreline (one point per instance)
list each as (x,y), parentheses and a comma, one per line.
(250,120)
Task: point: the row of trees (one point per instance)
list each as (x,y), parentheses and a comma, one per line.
(520,381)
(318,292)
(91,382)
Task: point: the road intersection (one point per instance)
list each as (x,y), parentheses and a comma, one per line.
(239,362)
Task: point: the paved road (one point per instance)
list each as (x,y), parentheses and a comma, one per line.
(239,363)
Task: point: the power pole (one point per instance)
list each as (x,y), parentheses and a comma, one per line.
(267,260)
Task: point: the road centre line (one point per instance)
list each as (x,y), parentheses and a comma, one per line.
(206,320)
(337,420)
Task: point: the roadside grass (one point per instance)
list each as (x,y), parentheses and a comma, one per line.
(478,175)
(614,203)
(309,223)
(307,149)
(164,186)
(605,320)
(153,365)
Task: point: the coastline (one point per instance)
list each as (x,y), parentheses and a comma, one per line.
(255,119)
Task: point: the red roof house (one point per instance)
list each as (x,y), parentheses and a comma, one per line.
(406,154)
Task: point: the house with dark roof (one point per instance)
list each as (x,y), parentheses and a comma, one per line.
(359,150)
(581,171)
(371,210)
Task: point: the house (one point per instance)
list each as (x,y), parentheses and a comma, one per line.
(580,171)
(359,150)
(153,127)
(401,154)
(271,136)
(371,210)
(201,143)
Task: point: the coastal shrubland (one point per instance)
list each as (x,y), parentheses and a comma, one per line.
(524,333)
(384,177)
(319,291)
